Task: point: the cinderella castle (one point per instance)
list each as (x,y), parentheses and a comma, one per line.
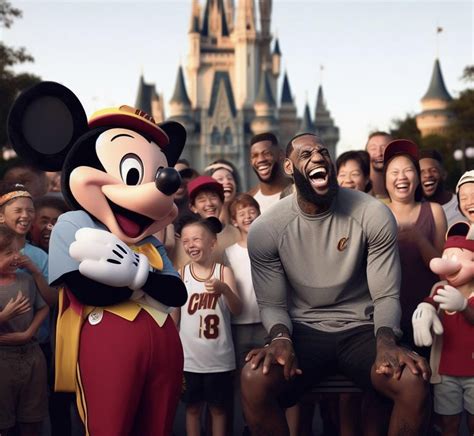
(230,88)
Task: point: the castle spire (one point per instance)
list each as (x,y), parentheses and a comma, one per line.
(215,19)
(286,97)
(437,89)
(144,95)
(276,48)
(306,123)
(321,109)
(180,94)
(265,94)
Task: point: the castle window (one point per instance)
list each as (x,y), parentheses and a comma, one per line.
(227,136)
(215,136)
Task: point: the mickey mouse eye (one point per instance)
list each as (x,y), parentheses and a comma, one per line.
(131,169)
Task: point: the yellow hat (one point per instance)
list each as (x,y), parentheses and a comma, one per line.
(129,117)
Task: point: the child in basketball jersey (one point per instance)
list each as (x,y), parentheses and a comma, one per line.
(204,326)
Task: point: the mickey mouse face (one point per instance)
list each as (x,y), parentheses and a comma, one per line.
(117,171)
(123,195)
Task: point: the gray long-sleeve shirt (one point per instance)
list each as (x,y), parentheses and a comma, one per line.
(332,271)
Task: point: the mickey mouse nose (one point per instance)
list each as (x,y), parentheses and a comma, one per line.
(167,180)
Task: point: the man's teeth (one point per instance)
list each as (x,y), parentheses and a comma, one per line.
(428,184)
(318,173)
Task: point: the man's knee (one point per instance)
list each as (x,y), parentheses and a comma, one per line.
(254,384)
(410,388)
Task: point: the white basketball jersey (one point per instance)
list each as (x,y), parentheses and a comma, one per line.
(205,329)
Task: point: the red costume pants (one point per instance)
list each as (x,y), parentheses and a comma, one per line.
(129,376)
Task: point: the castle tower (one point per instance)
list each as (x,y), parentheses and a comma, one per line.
(265,107)
(287,114)
(276,66)
(194,56)
(435,116)
(231,85)
(265,8)
(244,37)
(149,101)
(324,124)
(180,109)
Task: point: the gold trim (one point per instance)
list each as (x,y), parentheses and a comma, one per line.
(199,279)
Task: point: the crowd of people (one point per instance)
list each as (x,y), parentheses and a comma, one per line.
(326,279)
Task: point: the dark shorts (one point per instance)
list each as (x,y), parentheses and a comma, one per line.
(246,337)
(213,388)
(23,387)
(320,354)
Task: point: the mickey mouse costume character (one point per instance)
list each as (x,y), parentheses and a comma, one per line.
(116,346)
(449,311)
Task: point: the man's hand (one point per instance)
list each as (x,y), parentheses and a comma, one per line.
(391,360)
(450,299)
(106,259)
(14,307)
(278,352)
(423,320)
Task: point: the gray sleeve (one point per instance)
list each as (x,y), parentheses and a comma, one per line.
(62,236)
(268,276)
(383,267)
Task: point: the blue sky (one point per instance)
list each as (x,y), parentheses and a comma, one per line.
(377,56)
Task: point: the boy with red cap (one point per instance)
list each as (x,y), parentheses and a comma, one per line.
(206,199)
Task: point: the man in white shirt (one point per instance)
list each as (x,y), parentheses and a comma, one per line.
(266,159)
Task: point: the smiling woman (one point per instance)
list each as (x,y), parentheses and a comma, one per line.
(421,228)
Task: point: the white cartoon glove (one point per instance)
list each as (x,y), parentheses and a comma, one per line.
(423,320)
(106,259)
(450,299)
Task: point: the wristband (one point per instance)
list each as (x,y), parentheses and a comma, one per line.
(281,338)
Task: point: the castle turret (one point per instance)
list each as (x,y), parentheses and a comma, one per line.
(306,125)
(435,116)
(229,12)
(245,35)
(324,124)
(180,104)
(194,56)
(287,114)
(265,8)
(265,107)
(149,101)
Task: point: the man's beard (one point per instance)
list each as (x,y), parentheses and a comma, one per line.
(305,189)
(273,173)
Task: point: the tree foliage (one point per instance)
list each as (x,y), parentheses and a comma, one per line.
(11,83)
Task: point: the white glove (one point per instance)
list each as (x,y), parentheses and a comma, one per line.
(423,320)
(450,299)
(106,259)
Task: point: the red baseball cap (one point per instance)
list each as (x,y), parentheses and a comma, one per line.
(458,236)
(202,183)
(400,146)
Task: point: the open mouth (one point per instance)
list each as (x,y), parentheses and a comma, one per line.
(319,177)
(131,223)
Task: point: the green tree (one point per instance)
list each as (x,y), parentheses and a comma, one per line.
(11,83)
(406,128)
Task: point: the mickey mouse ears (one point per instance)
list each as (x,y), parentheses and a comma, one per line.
(47,119)
(43,124)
